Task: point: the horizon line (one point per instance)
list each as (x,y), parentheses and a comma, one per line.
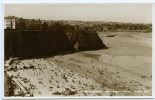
(81,20)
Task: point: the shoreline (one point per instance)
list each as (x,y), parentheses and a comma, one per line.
(125,66)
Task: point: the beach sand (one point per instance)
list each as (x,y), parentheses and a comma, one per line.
(124,69)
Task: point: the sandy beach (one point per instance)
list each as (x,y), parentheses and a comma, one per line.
(124,69)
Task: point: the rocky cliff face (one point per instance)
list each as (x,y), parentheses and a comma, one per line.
(87,40)
(27,44)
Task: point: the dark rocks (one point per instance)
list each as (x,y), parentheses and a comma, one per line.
(86,40)
(27,44)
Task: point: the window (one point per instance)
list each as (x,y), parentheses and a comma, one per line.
(8,27)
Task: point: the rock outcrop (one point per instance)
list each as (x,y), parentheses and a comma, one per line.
(26,44)
(86,40)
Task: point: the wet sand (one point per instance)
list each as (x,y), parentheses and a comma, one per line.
(125,69)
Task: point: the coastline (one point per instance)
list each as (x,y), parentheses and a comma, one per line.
(126,62)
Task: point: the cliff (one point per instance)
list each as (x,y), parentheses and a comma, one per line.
(87,40)
(26,44)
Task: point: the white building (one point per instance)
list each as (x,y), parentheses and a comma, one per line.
(13,23)
(10,22)
(7,23)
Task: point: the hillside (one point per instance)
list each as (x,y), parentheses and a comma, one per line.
(27,44)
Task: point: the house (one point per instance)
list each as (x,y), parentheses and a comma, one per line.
(49,24)
(7,23)
(10,22)
(27,24)
(33,25)
(39,24)
(22,23)
(17,24)
(13,23)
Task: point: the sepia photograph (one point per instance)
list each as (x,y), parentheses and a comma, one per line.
(77,50)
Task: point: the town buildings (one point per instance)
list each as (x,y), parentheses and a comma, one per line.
(9,22)
(12,22)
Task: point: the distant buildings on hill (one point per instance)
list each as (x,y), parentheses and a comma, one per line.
(12,22)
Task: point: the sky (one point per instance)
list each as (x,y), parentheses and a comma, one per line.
(118,12)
